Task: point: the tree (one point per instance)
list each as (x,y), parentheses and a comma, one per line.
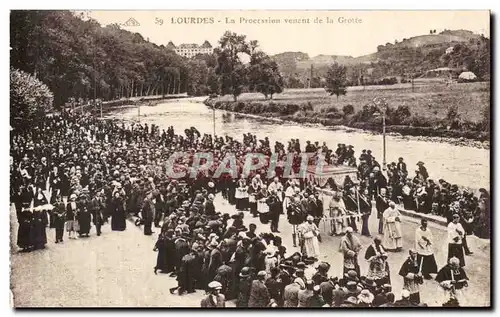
(336,80)
(79,58)
(231,71)
(29,98)
(264,75)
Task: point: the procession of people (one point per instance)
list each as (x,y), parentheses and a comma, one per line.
(71,171)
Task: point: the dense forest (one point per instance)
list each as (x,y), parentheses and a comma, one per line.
(72,56)
(77,58)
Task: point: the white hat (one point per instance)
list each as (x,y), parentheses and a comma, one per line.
(215,285)
(310,218)
(348,229)
(366,297)
(405,293)
(211,184)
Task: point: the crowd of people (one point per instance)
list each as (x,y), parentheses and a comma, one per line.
(71,171)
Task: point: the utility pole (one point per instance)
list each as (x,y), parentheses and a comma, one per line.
(311,76)
(213,107)
(382,106)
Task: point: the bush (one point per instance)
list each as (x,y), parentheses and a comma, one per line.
(334,115)
(401,115)
(348,110)
(486,119)
(421,121)
(29,97)
(453,117)
(306,106)
(366,113)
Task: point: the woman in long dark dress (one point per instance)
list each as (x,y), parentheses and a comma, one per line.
(161,259)
(84,218)
(24,218)
(118,214)
(38,228)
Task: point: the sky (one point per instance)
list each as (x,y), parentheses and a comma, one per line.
(352,33)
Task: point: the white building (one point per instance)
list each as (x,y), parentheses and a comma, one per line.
(191,50)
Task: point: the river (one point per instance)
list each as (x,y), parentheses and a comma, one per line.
(461,165)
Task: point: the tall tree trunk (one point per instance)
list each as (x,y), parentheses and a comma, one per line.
(148,90)
(173,87)
(179,87)
(132,89)
(168,86)
(142,89)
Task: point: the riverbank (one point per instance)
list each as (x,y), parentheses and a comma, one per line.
(273,117)
(456,116)
(149,101)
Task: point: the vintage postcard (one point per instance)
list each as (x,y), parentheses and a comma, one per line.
(250,158)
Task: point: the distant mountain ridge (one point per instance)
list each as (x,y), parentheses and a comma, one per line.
(428,48)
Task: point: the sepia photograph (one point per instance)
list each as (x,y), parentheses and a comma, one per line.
(278,159)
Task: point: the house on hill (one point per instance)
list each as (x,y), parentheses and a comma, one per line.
(190,50)
(467,76)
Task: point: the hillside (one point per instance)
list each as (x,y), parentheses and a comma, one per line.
(409,57)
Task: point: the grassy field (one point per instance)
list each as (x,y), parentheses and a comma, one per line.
(429,99)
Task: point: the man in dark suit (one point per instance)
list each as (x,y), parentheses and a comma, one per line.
(215,260)
(365,206)
(160,207)
(381,203)
(401,168)
(148,211)
(351,205)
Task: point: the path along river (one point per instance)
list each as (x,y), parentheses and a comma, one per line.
(461,165)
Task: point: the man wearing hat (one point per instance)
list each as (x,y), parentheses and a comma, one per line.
(316,300)
(59,214)
(259,294)
(71,211)
(291,295)
(214,299)
(148,212)
(306,294)
(422,170)
(215,260)
(365,298)
(273,285)
(244,286)
(321,274)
